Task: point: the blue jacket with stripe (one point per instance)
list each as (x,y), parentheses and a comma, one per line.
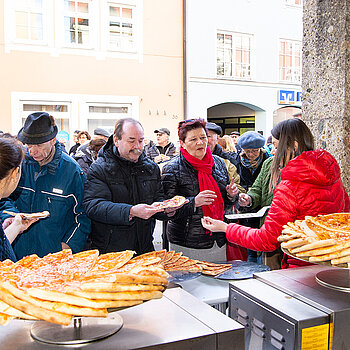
(57,187)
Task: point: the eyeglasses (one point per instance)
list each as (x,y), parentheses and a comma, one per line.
(251,151)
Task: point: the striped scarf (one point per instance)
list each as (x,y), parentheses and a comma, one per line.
(252,165)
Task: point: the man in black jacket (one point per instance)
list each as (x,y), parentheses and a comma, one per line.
(164,149)
(119,190)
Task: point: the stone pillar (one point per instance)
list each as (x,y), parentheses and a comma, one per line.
(326,77)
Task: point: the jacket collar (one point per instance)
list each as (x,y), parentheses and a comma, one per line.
(110,152)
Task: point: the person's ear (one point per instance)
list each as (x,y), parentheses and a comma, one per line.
(15,173)
(296,145)
(115,140)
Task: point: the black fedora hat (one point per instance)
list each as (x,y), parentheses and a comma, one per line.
(39,127)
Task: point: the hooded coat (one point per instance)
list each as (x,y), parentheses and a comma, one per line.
(310,185)
(113,185)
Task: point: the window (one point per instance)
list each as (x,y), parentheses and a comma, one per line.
(234,55)
(121,27)
(29,20)
(290,61)
(104,116)
(76,22)
(60,111)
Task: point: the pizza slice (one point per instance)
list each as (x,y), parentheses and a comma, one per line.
(175,202)
(28,216)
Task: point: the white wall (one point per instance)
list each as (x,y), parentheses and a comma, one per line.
(268,22)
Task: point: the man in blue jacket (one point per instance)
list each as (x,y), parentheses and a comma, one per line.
(52,181)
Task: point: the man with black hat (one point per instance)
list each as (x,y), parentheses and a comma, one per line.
(52,181)
(163,150)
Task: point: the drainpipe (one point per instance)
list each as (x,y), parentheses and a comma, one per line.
(184,28)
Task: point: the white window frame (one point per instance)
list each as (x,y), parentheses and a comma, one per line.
(11,42)
(233,52)
(78,112)
(292,80)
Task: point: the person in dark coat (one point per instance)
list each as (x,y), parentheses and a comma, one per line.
(120,189)
(203,179)
(74,148)
(163,150)
(11,156)
(87,155)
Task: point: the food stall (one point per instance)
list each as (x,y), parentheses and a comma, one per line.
(176,321)
(293,309)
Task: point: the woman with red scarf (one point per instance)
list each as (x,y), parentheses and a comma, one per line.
(203,179)
(305,182)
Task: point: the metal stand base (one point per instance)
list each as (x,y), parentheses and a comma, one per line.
(81,330)
(338,279)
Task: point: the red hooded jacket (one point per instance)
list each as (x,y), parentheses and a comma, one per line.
(310,185)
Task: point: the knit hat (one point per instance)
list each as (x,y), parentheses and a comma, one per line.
(38,128)
(251,140)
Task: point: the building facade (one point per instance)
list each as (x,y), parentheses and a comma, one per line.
(90,62)
(243,62)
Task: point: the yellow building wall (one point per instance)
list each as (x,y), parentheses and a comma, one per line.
(157,80)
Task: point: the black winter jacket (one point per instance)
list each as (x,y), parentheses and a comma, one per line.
(112,187)
(218,151)
(153,151)
(180,178)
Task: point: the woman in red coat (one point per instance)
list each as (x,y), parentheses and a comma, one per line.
(310,185)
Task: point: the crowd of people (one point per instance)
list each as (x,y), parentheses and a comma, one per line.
(101,192)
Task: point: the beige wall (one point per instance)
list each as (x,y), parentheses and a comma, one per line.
(157,80)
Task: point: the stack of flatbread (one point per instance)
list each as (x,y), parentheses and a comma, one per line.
(62,285)
(320,239)
(172,261)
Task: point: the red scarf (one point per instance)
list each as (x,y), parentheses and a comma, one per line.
(207,182)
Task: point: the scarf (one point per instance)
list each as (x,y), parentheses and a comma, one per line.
(252,165)
(207,182)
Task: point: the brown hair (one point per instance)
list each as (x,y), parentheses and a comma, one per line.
(118,130)
(84,133)
(96,145)
(287,132)
(11,155)
(190,124)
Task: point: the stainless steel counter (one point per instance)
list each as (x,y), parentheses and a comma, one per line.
(177,321)
(288,309)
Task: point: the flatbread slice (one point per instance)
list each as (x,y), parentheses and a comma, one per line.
(330,256)
(79,301)
(314,245)
(298,242)
(117,287)
(342,260)
(168,256)
(11,311)
(40,215)
(36,311)
(136,295)
(53,305)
